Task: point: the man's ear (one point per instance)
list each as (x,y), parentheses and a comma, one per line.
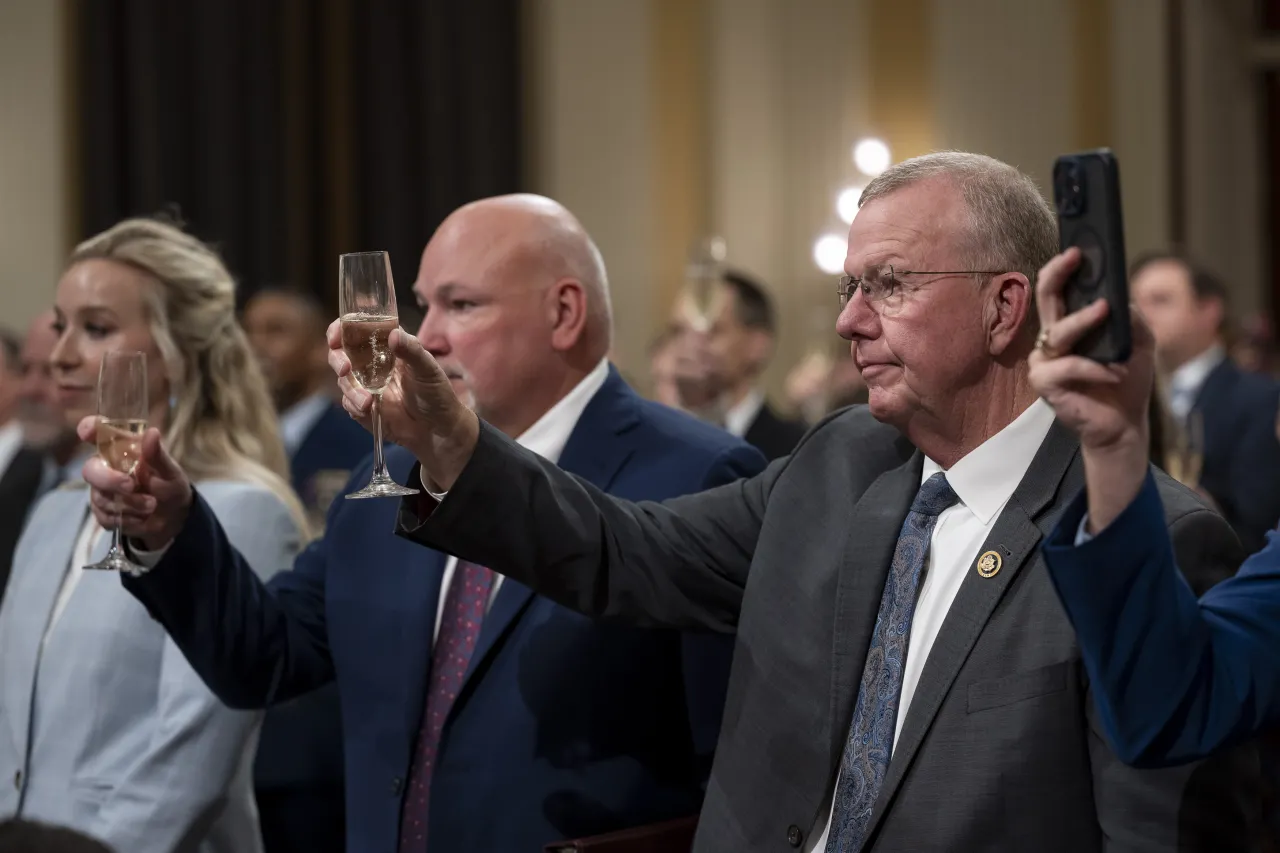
(566,307)
(1010,311)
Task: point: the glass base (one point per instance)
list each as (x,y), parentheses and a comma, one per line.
(116,561)
(382,488)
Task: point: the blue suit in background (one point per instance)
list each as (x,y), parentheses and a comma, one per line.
(564,727)
(1241,469)
(298,770)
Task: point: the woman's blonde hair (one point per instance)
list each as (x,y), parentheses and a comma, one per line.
(222,423)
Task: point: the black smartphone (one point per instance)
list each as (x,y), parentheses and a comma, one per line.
(1086,192)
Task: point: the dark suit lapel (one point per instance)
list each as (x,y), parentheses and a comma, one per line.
(1014,537)
(422,571)
(873,535)
(597,449)
(1216,387)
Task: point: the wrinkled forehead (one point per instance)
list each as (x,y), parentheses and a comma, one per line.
(922,225)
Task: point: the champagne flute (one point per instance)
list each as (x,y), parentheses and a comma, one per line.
(702,277)
(122,420)
(367,298)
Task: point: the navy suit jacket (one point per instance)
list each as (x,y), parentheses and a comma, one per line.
(1174,678)
(301,742)
(1241,451)
(565,727)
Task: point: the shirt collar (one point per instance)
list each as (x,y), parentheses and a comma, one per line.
(987,477)
(739,417)
(298,419)
(1188,378)
(550,433)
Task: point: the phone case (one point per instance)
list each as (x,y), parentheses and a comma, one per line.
(1086,189)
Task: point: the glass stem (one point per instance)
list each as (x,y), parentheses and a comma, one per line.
(379,466)
(118,529)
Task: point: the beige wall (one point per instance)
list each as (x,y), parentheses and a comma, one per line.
(791,84)
(744,126)
(1223,180)
(34,182)
(592,143)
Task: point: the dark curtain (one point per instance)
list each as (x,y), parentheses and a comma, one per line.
(289,131)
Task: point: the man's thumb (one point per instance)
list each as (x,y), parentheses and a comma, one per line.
(157,460)
(409,350)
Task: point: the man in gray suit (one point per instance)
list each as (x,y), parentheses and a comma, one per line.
(904,678)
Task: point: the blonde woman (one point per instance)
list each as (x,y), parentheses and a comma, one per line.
(103,726)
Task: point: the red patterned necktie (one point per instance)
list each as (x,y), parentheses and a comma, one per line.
(464,608)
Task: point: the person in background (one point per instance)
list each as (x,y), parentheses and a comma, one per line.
(21,470)
(21,836)
(1226,416)
(286,331)
(477,715)
(718,372)
(110,731)
(743,336)
(298,772)
(662,367)
(44,426)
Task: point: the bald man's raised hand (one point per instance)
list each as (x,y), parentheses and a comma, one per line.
(419,409)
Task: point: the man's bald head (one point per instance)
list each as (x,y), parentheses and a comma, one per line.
(516,305)
(538,233)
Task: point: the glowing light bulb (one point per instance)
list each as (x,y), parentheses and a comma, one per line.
(828,253)
(847,204)
(871,156)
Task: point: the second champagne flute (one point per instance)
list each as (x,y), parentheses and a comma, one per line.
(367,299)
(122,420)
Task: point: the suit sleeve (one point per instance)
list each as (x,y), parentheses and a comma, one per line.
(1174,678)
(681,563)
(174,790)
(706,657)
(252,643)
(1211,805)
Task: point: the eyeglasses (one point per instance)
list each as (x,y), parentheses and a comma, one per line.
(881,284)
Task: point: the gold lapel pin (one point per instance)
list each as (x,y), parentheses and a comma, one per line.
(988,564)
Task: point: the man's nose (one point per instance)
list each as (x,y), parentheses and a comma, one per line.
(858,319)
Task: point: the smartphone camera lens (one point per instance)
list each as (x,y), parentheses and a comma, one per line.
(1068,188)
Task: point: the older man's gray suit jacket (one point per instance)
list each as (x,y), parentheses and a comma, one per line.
(998,751)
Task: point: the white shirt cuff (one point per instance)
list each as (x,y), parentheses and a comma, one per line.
(422,475)
(147,559)
(1082,534)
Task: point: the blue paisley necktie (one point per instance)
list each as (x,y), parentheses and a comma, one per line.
(870,743)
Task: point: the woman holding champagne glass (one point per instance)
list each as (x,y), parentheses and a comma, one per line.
(103,726)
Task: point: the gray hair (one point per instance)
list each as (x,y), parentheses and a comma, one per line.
(1011,226)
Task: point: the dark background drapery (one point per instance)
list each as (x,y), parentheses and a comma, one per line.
(289,131)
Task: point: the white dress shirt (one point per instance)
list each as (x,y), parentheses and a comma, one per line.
(1185,382)
(547,438)
(10,444)
(984,480)
(740,416)
(296,422)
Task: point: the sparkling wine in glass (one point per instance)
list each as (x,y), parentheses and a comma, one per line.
(703,272)
(122,420)
(367,297)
